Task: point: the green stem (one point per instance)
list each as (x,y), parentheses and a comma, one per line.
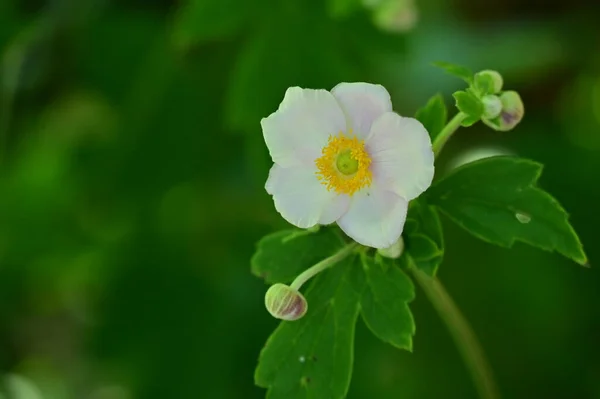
(322,265)
(462,333)
(447,132)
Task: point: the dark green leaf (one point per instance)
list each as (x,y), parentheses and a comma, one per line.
(312,357)
(384,303)
(281,256)
(433,115)
(425,243)
(496,199)
(469,104)
(198,21)
(456,70)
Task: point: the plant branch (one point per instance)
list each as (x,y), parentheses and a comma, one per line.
(322,265)
(462,333)
(447,132)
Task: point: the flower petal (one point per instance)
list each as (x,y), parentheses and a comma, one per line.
(375,218)
(401,155)
(301,198)
(297,132)
(362,103)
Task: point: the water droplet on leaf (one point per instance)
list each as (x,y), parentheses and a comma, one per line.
(301,359)
(523,217)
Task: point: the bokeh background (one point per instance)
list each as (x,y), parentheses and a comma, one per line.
(132,169)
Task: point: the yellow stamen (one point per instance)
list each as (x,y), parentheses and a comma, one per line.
(344,166)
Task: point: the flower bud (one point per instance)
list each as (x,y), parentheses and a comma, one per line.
(492,106)
(394,16)
(285,303)
(496,79)
(393,252)
(511,114)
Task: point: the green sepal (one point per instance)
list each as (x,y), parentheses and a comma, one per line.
(469,104)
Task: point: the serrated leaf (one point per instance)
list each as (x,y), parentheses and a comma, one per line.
(497,200)
(198,21)
(467,103)
(433,115)
(384,303)
(456,70)
(281,256)
(312,357)
(425,243)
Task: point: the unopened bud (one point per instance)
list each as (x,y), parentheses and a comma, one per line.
(393,252)
(394,15)
(511,114)
(492,106)
(285,303)
(495,78)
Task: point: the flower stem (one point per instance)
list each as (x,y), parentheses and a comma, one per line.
(462,333)
(447,132)
(322,265)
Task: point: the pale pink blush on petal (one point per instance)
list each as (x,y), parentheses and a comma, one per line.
(296,133)
(301,199)
(362,103)
(375,218)
(335,209)
(402,158)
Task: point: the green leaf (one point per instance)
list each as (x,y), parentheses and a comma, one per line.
(312,357)
(425,242)
(384,303)
(433,116)
(198,21)
(469,104)
(469,121)
(456,70)
(496,199)
(281,256)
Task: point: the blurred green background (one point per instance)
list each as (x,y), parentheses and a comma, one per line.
(132,171)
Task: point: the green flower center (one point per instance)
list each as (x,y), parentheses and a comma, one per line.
(346,163)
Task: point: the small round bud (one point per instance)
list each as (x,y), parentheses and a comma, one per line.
(395,16)
(512,112)
(492,106)
(496,78)
(393,252)
(285,303)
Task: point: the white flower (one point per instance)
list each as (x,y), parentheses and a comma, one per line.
(344,156)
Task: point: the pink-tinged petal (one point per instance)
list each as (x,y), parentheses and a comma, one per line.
(301,198)
(375,218)
(297,132)
(362,103)
(401,155)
